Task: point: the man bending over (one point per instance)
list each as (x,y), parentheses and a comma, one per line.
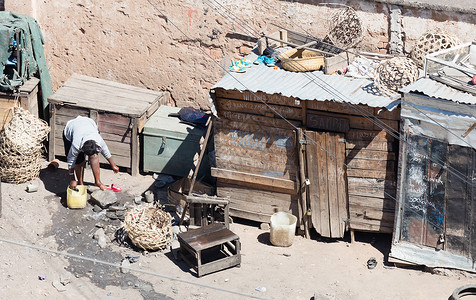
(81,137)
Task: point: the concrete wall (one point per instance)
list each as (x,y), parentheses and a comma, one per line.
(132,42)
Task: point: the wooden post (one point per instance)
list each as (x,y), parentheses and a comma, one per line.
(51,142)
(304,113)
(300,220)
(302,174)
(134,149)
(202,152)
(93,114)
(283,35)
(195,172)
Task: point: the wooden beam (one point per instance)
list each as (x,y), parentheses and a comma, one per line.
(307,45)
(469,130)
(302,173)
(296,45)
(135,154)
(259,180)
(51,140)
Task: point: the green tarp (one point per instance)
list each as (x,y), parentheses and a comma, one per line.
(21,32)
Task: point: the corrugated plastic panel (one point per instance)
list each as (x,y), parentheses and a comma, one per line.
(305,85)
(435,89)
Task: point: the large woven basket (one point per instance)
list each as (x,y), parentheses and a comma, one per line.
(148,227)
(21,146)
(301,60)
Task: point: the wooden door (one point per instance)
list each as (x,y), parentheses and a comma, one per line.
(325,153)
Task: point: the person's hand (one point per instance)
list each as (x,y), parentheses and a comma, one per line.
(73,184)
(115,169)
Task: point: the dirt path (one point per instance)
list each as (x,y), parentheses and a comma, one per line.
(331,269)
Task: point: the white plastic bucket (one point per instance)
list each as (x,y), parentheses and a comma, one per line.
(283,228)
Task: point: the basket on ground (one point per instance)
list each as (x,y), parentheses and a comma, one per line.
(301,60)
(21,144)
(148,227)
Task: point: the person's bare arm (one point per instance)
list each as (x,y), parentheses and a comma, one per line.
(113,165)
(72,179)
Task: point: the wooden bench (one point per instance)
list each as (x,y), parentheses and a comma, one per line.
(210,248)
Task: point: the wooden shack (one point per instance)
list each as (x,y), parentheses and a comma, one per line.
(436,186)
(283,141)
(120,111)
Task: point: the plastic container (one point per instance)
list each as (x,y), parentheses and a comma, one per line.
(472,55)
(283,228)
(77,199)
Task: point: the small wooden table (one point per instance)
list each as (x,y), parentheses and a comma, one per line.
(210,248)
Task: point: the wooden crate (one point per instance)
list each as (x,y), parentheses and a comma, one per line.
(169,145)
(27,98)
(120,111)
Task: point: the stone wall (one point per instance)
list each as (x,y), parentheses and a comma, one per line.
(183,47)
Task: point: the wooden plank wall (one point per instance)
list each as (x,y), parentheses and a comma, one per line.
(371,155)
(114,129)
(248,139)
(243,143)
(460,202)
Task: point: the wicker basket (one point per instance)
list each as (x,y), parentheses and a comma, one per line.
(148,227)
(21,146)
(393,74)
(301,60)
(431,42)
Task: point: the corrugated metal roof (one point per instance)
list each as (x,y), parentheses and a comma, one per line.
(439,90)
(305,85)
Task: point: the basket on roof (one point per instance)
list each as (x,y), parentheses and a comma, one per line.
(148,227)
(301,60)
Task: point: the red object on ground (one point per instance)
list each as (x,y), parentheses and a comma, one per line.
(114,188)
(54,165)
(474,80)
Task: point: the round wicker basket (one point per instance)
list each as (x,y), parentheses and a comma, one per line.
(301,60)
(393,74)
(148,227)
(345,28)
(21,146)
(431,42)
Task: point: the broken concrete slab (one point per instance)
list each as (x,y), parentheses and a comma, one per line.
(58,286)
(125,265)
(104,198)
(65,278)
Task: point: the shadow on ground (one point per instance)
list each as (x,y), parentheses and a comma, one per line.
(74,230)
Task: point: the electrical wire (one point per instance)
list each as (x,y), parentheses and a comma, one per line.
(245,24)
(382,125)
(438,123)
(95,260)
(282,117)
(278,114)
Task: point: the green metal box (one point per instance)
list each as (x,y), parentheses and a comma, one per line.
(170,145)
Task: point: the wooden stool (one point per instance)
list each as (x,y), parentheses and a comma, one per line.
(210,248)
(202,206)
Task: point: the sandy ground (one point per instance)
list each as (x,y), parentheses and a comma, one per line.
(327,269)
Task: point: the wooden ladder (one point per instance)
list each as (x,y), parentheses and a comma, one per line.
(197,160)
